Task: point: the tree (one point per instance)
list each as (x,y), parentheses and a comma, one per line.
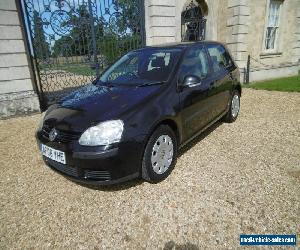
(123,33)
(79,40)
(131,15)
(64,46)
(39,41)
(113,36)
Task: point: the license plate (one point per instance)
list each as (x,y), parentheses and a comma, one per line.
(53,154)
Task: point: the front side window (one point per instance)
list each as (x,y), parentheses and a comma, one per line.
(194,63)
(142,67)
(271,36)
(219,56)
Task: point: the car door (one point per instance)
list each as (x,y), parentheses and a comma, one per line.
(195,102)
(221,65)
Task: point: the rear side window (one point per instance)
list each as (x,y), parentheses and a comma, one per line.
(219,56)
(195,63)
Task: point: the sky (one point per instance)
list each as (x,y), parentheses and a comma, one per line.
(50,13)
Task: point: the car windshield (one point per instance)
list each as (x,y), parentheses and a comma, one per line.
(141,67)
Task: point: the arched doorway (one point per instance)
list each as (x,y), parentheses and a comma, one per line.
(193,23)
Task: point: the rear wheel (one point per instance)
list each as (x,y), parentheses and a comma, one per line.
(160,155)
(234,108)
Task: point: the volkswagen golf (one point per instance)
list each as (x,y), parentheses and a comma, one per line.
(131,121)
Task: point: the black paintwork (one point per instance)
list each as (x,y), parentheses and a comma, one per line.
(188,110)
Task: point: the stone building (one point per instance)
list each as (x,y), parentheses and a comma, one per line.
(267,30)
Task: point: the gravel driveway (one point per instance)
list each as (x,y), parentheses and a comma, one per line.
(237,178)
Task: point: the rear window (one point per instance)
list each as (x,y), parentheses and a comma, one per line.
(219,56)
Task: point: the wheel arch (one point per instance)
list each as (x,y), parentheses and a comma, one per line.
(169,122)
(238,87)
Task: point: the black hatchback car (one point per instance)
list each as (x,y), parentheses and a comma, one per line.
(131,121)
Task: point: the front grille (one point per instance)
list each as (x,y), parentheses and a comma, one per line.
(97,175)
(63,168)
(63,136)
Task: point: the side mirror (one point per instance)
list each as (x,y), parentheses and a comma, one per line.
(191,81)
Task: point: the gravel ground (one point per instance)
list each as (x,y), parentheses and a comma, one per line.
(237,178)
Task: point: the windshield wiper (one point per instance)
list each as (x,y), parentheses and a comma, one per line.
(103,84)
(109,85)
(150,84)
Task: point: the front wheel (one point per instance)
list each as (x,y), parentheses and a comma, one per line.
(234,108)
(160,155)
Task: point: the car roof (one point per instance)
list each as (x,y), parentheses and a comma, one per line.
(182,44)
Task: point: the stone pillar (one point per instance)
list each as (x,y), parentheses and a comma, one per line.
(238,23)
(16,86)
(212,20)
(160,21)
(297,35)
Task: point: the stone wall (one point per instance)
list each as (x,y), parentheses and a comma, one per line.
(287,32)
(285,61)
(241,25)
(296,45)
(163,20)
(16,89)
(160,21)
(238,29)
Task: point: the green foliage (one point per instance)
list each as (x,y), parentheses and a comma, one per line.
(39,41)
(78,69)
(112,47)
(110,41)
(63,47)
(130,15)
(288,84)
(78,41)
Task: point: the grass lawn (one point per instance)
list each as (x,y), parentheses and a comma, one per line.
(288,84)
(78,69)
(75,68)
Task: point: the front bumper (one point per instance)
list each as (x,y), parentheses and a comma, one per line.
(97,165)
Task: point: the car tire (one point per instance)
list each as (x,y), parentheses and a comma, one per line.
(160,155)
(234,107)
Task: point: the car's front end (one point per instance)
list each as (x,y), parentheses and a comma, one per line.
(76,155)
(98,135)
(88,137)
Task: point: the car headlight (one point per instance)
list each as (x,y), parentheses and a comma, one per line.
(41,121)
(104,133)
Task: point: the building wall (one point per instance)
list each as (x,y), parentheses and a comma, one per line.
(160,21)
(234,28)
(16,88)
(163,20)
(286,60)
(238,23)
(287,31)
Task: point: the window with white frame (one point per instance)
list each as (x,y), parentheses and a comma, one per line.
(271,36)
